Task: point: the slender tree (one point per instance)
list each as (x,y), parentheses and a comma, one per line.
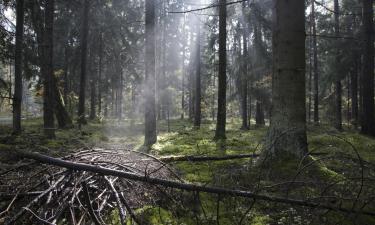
(198,91)
(368,123)
(17,98)
(222,89)
(48,94)
(83,44)
(149,92)
(315,65)
(244,74)
(354,89)
(338,86)
(287,133)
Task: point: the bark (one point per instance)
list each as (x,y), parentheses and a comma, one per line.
(17,98)
(337,85)
(198,91)
(149,92)
(49,81)
(82,85)
(287,133)
(315,66)
(368,122)
(222,89)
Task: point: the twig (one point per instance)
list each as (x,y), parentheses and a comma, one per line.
(89,205)
(36,216)
(119,206)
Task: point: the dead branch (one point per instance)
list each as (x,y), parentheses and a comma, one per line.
(192,158)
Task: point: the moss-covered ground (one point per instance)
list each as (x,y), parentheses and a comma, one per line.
(334,169)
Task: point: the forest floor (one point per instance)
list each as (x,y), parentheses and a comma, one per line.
(339,173)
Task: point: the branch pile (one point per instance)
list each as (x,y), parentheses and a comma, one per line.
(49,194)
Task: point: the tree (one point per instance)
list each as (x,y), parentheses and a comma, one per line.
(222,89)
(287,132)
(244,82)
(368,123)
(82,85)
(198,91)
(149,91)
(17,98)
(48,94)
(337,85)
(315,65)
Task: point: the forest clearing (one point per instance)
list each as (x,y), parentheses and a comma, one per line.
(181,112)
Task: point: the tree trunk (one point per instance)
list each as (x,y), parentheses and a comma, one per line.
(82,85)
(17,98)
(48,94)
(66,67)
(198,91)
(63,118)
(222,89)
(259,114)
(244,74)
(368,123)
(315,65)
(99,83)
(287,133)
(310,51)
(354,91)
(120,94)
(338,86)
(149,92)
(93,79)
(191,80)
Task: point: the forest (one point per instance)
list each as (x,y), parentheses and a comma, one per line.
(187,112)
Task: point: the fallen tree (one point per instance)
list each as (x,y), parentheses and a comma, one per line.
(74,166)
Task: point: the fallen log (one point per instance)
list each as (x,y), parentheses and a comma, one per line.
(182,186)
(193,158)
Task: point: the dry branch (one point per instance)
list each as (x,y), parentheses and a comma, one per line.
(192,158)
(183,186)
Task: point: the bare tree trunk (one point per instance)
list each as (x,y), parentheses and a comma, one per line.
(66,68)
(338,86)
(17,98)
(354,91)
(287,133)
(100,74)
(244,74)
(222,90)
(315,65)
(259,114)
(149,92)
(120,95)
(368,122)
(191,80)
(198,91)
(310,51)
(49,95)
(82,86)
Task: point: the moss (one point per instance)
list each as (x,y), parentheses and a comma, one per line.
(150,215)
